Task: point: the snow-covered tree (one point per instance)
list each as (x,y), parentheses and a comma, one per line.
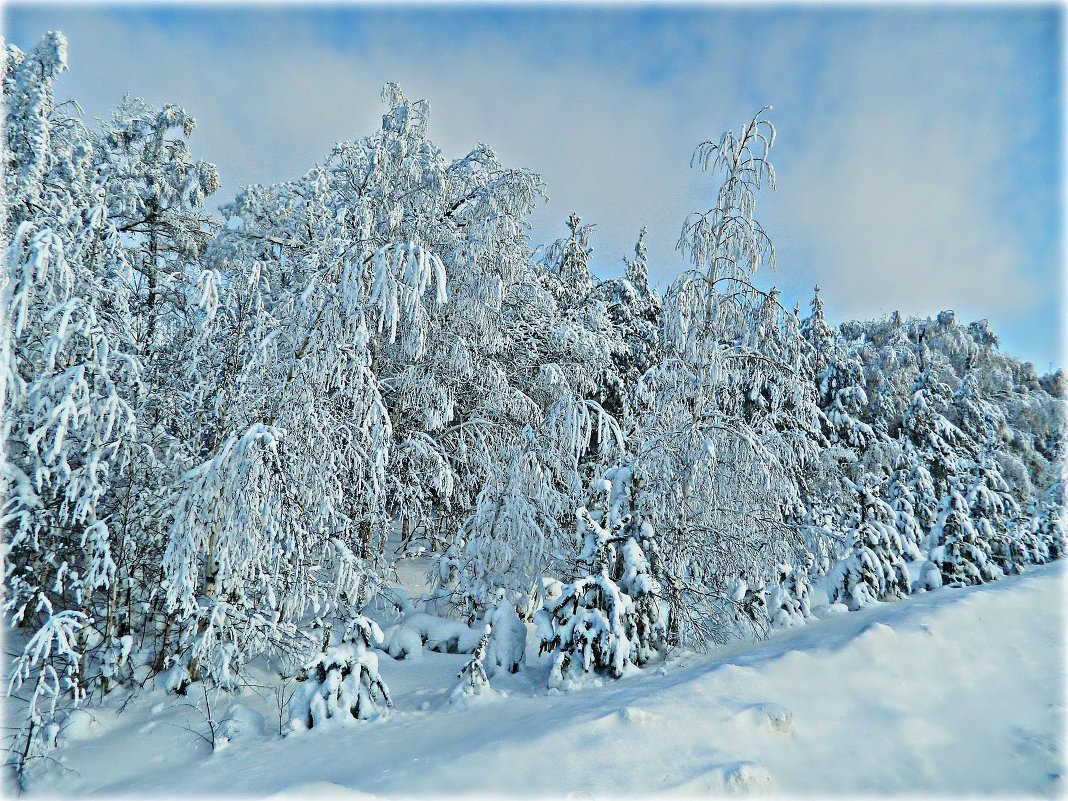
(874,567)
(717,454)
(508,643)
(958,551)
(633,307)
(591,624)
(902,494)
(614,614)
(992,511)
(789,597)
(474,681)
(1050,523)
(565,265)
(342,684)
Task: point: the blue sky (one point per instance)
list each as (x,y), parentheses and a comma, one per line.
(919,155)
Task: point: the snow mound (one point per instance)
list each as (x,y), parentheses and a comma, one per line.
(773,717)
(321,790)
(240,723)
(732,778)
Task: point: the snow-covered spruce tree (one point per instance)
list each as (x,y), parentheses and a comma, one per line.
(614,613)
(789,596)
(921,486)
(632,557)
(943,444)
(342,684)
(992,511)
(565,265)
(1050,523)
(718,456)
(818,333)
(980,419)
(874,567)
(904,502)
(589,626)
(839,378)
(842,399)
(958,551)
(474,681)
(633,307)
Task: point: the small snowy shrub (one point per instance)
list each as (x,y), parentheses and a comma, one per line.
(342,683)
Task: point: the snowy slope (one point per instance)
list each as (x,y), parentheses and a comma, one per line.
(954,692)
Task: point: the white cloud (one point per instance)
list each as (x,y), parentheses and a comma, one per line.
(901,185)
(894,163)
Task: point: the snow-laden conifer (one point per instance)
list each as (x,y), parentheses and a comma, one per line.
(342,684)
(874,567)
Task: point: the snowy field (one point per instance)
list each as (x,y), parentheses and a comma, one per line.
(956,692)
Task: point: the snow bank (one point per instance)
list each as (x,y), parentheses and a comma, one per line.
(956,692)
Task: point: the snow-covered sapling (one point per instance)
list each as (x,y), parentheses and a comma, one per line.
(343,683)
(474,682)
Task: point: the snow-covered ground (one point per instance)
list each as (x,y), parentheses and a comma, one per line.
(955,692)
